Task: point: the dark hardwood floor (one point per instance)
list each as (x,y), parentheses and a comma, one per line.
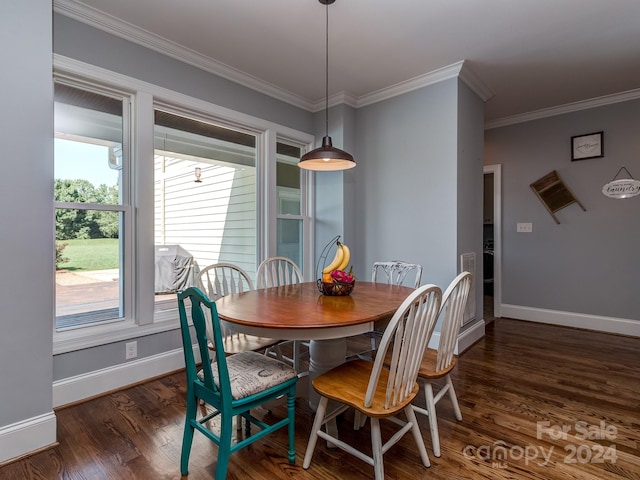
(538,402)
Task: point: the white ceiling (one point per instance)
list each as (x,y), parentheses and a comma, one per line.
(529,54)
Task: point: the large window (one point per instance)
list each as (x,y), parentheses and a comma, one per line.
(91,207)
(150,187)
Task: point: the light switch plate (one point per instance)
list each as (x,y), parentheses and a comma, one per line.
(524,227)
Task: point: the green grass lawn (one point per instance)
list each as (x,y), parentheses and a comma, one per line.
(91,254)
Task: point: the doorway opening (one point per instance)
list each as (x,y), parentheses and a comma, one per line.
(491,245)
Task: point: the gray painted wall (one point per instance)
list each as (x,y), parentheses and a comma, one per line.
(589,263)
(82,42)
(419,188)
(26,223)
(407,176)
(470,185)
(70,364)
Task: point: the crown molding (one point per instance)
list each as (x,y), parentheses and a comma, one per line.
(347,99)
(414,83)
(115,26)
(566,108)
(474,83)
(342,98)
(457,70)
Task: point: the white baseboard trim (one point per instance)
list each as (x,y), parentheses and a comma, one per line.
(80,387)
(26,436)
(619,326)
(470,336)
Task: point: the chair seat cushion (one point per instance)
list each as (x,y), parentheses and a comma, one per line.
(252,372)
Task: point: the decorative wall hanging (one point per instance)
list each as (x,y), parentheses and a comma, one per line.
(554,194)
(622,187)
(590,145)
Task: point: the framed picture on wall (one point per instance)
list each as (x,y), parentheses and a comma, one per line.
(586,146)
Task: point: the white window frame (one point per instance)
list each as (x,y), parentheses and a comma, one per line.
(139,309)
(70,338)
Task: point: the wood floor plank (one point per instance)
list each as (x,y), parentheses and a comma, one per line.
(520,375)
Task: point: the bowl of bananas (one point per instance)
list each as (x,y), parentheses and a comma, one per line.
(335,280)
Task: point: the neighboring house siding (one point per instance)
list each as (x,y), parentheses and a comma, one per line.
(214,220)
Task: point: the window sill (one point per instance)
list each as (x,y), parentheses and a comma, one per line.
(81,338)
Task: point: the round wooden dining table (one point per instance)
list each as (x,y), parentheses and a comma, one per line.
(301,312)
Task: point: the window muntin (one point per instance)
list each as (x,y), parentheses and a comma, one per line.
(90,208)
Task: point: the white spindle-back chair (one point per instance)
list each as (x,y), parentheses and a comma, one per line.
(278,272)
(381,389)
(219,280)
(437,364)
(395,272)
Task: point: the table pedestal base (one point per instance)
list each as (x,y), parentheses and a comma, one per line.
(323,356)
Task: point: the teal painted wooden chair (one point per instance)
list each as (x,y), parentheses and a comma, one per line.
(232,385)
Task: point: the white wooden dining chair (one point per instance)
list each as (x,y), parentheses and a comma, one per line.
(395,272)
(377,390)
(437,364)
(219,280)
(277,272)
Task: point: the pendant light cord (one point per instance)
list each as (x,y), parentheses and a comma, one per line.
(326,105)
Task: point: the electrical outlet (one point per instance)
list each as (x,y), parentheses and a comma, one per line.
(524,227)
(131,350)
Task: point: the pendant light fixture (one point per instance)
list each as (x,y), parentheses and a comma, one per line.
(327,157)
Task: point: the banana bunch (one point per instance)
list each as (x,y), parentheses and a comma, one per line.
(336,269)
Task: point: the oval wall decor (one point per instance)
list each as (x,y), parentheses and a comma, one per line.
(623,188)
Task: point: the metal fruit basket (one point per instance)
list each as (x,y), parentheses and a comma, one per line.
(336,289)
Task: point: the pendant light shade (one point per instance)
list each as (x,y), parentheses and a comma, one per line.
(327,157)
